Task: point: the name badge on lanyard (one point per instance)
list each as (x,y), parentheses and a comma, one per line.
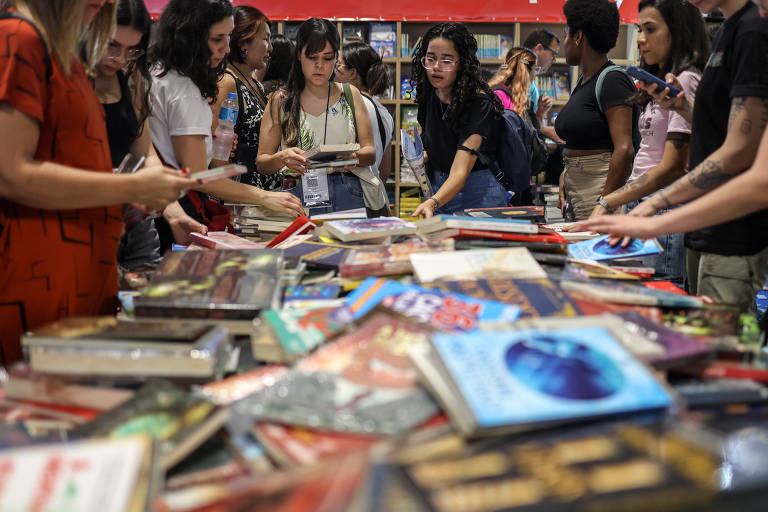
(314,185)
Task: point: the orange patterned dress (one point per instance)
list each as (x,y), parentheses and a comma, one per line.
(53,263)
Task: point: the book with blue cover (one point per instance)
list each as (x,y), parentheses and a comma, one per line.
(443,310)
(598,249)
(536,297)
(518,380)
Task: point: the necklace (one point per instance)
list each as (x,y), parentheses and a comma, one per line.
(444,107)
(251,85)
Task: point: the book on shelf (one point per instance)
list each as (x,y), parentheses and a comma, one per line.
(369,229)
(407,88)
(354,33)
(495,382)
(561,85)
(384,39)
(515,262)
(224,284)
(106,346)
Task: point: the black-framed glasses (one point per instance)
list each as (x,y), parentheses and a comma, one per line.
(553,52)
(431,63)
(115,50)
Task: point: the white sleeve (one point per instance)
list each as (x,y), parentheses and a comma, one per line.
(188,115)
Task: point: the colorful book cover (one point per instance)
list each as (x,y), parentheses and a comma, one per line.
(388,260)
(530,377)
(300,331)
(223,240)
(629,294)
(363,382)
(533,213)
(226,284)
(446,311)
(598,249)
(677,346)
(318,254)
(407,88)
(535,297)
(311,291)
(562,85)
(230,390)
(361,229)
(439,222)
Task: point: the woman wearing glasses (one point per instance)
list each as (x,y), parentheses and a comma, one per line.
(457,111)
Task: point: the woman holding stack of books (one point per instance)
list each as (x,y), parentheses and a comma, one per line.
(457,113)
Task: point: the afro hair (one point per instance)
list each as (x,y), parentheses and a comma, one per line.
(597,19)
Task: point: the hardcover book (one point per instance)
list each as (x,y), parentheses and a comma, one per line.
(599,249)
(532,213)
(362,382)
(367,229)
(447,311)
(516,263)
(223,284)
(318,254)
(535,297)
(519,380)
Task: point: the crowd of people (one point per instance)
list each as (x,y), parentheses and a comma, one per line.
(85,84)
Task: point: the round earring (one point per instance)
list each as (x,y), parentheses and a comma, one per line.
(245,51)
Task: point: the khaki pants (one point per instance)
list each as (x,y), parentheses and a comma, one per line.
(727,279)
(584,179)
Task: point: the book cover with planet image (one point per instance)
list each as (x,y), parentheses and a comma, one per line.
(533,377)
(598,249)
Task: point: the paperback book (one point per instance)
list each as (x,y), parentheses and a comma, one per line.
(362,382)
(532,213)
(598,249)
(519,380)
(629,294)
(389,259)
(367,229)
(442,310)
(516,263)
(223,284)
(297,331)
(318,254)
(506,225)
(223,240)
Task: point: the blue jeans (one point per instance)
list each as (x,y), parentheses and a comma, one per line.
(344,193)
(481,190)
(671,261)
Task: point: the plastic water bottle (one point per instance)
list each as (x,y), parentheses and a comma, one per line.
(225,131)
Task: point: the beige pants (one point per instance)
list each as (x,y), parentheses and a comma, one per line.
(727,279)
(584,178)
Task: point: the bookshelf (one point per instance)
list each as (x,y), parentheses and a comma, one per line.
(624,54)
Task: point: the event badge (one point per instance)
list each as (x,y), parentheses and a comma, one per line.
(314,185)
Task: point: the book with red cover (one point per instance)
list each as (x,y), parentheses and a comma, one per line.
(544,236)
(667,286)
(223,240)
(302,224)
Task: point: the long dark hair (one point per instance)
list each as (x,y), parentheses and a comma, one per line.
(182,42)
(134,14)
(248,21)
(468,82)
(372,71)
(688,45)
(280,62)
(311,39)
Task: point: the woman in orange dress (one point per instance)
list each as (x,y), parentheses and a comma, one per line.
(60,219)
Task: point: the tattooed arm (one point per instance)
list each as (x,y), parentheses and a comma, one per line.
(671,167)
(746,123)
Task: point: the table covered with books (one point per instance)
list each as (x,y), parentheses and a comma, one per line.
(477,362)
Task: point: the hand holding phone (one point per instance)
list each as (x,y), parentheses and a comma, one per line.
(649,79)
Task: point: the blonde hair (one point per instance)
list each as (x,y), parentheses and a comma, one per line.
(61,23)
(515,78)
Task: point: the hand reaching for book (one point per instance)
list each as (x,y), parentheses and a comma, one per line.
(283,202)
(425,209)
(182,224)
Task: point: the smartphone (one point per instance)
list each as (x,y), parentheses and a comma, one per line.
(648,78)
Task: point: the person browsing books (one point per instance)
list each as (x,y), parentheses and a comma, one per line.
(60,217)
(457,114)
(727,261)
(360,65)
(280,62)
(314,110)
(546,45)
(672,39)
(597,131)
(188,58)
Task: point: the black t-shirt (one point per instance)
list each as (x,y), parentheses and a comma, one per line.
(580,123)
(738,67)
(441,138)
(122,124)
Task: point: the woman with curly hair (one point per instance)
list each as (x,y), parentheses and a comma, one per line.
(188,58)
(513,81)
(597,133)
(313,109)
(457,113)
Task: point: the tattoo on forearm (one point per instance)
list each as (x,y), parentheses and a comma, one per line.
(663,196)
(737,105)
(746,126)
(708,175)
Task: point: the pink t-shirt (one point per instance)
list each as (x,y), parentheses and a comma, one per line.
(656,124)
(506,99)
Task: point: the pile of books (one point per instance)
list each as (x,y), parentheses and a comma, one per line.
(474,362)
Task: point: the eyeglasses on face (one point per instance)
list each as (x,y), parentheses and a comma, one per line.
(432,63)
(115,50)
(553,52)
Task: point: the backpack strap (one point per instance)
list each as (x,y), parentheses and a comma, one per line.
(46,54)
(601,79)
(382,130)
(351,102)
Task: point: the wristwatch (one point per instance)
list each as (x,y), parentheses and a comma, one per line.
(605,205)
(437,205)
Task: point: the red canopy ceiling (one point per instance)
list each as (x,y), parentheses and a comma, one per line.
(408,10)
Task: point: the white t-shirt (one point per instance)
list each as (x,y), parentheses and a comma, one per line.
(178,108)
(389,125)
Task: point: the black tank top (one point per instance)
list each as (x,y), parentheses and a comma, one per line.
(122,124)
